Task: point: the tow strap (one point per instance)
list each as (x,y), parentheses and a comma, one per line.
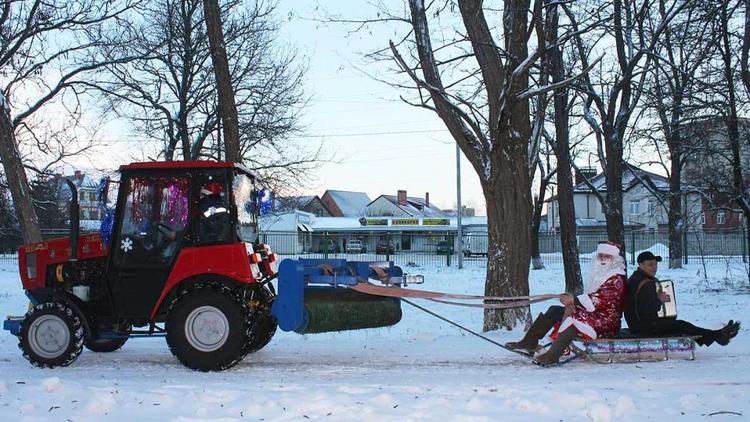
(398,292)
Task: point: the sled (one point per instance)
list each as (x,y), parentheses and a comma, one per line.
(628,348)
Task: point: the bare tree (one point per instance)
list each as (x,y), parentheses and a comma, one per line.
(613,91)
(547,171)
(170,96)
(490,122)
(672,101)
(45,51)
(561,147)
(227,106)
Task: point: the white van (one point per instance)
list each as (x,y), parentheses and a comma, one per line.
(475,244)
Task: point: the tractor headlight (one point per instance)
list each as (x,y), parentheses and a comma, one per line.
(31,265)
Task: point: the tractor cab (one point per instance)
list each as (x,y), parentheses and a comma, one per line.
(179,256)
(168,218)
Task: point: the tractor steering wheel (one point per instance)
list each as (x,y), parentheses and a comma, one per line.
(166,230)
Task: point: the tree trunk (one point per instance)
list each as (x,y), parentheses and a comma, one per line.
(508,221)
(566,209)
(16,177)
(676,217)
(536,219)
(613,198)
(227,107)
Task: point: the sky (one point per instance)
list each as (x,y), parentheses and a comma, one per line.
(372,141)
(378,143)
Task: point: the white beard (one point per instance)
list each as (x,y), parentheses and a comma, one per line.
(601,271)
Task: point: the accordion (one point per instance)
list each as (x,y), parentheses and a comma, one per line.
(668,309)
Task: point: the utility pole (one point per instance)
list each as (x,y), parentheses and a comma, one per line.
(459,209)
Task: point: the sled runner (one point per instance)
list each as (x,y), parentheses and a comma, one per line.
(629,348)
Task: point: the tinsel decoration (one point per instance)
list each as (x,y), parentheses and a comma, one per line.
(105,229)
(170,192)
(265,201)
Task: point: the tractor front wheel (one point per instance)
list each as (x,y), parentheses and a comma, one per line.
(265,324)
(209,328)
(51,335)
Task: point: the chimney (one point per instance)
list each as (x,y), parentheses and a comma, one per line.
(402,197)
(585,173)
(78,175)
(58,176)
(427,199)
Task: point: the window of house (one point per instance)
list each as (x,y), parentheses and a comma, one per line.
(720,217)
(92,196)
(651,207)
(635,207)
(703,218)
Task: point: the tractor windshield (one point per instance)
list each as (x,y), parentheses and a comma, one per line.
(247,210)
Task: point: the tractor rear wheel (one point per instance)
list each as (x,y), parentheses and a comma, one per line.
(209,327)
(265,324)
(51,335)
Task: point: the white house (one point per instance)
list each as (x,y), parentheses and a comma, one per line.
(644,201)
(401,205)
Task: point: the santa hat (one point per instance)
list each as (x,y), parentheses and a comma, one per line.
(608,248)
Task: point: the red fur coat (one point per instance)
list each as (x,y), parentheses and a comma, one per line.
(601,310)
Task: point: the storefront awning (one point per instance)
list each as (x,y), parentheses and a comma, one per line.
(304,228)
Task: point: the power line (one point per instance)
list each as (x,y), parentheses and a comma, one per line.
(320,136)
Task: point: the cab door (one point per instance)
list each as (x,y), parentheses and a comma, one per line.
(153,213)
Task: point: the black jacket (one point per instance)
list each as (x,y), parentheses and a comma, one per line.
(642,307)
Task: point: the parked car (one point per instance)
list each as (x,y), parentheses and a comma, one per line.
(355,246)
(385,248)
(475,244)
(445,248)
(333,247)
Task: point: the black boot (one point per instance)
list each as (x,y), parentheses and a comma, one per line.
(530,341)
(728,332)
(552,356)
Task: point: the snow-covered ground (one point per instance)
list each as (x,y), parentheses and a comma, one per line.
(420,369)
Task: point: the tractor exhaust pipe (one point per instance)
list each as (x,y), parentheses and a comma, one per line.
(75,220)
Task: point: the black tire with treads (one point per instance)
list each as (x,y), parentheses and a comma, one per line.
(62,322)
(222,300)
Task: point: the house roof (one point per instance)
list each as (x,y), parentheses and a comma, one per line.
(632,176)
(292,202)
(351,204)
(415,206)
(85,182)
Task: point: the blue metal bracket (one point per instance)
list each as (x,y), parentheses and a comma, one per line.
(13,324)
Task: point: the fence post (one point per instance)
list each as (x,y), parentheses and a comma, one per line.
(448,251)
(388,247)
(325,245)
(744,246)
(685,251)
(632,247)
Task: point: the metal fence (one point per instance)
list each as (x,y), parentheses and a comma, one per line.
(438,250)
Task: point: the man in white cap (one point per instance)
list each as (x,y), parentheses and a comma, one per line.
(595,313)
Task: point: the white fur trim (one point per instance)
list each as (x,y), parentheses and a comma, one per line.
(594,286)
(582,327)
(608,249)
(587,303)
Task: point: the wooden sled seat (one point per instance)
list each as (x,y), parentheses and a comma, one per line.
(626,347)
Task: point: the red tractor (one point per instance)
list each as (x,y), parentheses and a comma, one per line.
(182,260)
